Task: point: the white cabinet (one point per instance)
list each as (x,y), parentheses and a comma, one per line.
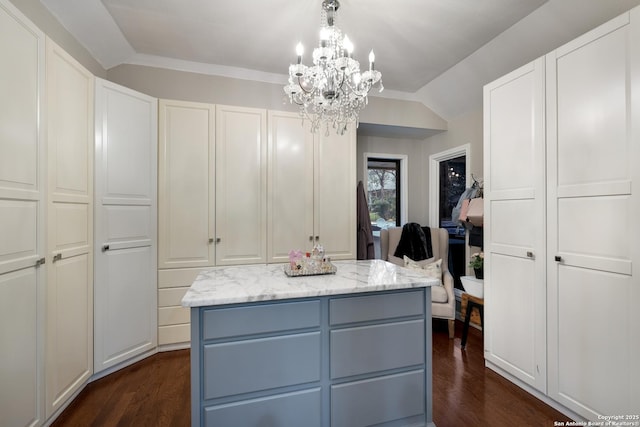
(125,225)
(241,185)
(335,193)
(22,49)
(593,147)
(514,192)
(311,189)
(69,304)
(561,155)
(186,175)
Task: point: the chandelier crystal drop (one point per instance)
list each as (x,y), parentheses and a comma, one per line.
(332,90)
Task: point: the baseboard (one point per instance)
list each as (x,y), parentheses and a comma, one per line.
(175,346)
(123,364)
(536,393)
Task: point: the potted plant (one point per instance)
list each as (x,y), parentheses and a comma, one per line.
(477,263)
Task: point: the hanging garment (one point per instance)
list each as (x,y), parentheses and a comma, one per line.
(456,215)
(365,248)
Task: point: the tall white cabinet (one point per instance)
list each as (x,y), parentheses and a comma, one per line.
(241,185)
(22,232)
(311,189)
(593,146)
(69,302)
(186,236)
(586,329)
(514,192)
(126,146)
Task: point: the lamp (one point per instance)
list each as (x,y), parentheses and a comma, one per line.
(332,90)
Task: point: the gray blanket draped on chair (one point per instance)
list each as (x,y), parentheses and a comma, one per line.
(415,242)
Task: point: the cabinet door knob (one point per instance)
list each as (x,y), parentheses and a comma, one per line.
(529,254)
(57,257)
(558,258)
(210,239)
(218,240)
(105,248)
(40,261)
(311,238)
(317,238)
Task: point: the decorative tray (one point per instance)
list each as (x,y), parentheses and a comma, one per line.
(325,268)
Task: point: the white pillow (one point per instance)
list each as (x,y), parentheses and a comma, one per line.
(429,267)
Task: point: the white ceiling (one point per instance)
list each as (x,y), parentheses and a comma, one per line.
(418,43)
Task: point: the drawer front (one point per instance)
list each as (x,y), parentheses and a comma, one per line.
(375,348)
(257,319)
(297,409)
(379,400)
(260,364)
(376,307)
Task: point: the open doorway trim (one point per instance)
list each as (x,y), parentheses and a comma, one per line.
(404,180)
(434,178)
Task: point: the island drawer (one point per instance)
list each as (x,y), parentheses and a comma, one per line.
(375,348)
(376,307)
(237,367)
(378,400)
(259,319)
(301,408)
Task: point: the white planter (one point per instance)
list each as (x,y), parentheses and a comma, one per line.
(473,286)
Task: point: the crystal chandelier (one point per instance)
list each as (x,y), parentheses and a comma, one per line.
(332,90)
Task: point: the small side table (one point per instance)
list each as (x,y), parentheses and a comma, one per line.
(471,303)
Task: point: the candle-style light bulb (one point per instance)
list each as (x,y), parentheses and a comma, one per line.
(324,36)
(348,46)
(372,59)
(299,52)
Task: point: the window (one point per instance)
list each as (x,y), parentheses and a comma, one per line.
(383,190)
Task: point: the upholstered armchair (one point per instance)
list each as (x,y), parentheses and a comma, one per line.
(442,297)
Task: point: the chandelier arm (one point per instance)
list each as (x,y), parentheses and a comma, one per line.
(303,89)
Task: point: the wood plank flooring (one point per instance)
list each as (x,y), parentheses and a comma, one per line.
(156,392)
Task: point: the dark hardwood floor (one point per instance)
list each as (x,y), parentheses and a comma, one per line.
(155,392)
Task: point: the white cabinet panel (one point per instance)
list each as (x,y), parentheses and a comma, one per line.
(241,185)
(22,291)
(125,225)
(592,358)
(291,186)
(69,330)
(592,209)
(514,192)
(20,364)
(335,194)
(186,197)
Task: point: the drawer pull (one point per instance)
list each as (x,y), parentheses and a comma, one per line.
(57,257)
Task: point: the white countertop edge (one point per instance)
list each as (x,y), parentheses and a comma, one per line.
(244,284)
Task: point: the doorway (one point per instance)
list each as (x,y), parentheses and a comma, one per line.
(448,180)
(386,187)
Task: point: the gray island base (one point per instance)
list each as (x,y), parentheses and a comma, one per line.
(343,350)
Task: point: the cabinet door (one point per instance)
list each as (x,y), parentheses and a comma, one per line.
(241,185)
(514,191)
(186,185)
(335,195)
(290,189)
(125,224)
(69,326)
(21,224)
(593,107)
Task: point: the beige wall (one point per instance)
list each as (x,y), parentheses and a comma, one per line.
(417,172)
(43,19)
(466,129)
(188,86)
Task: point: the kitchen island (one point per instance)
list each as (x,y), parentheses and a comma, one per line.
(343,350)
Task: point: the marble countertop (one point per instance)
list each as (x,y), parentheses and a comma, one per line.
(265,282)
